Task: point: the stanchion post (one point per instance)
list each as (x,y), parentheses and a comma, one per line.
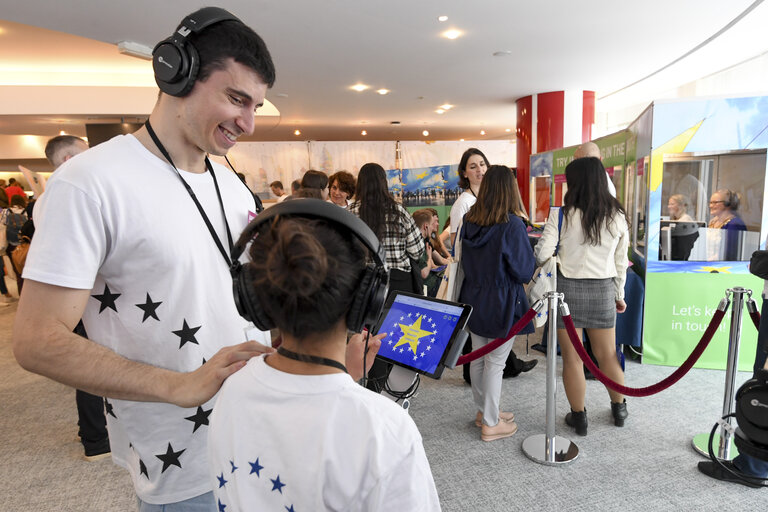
(726,448)
(734,341)
(548,448)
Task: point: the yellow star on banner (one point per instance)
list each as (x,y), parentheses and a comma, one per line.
(722,270)
(412,333)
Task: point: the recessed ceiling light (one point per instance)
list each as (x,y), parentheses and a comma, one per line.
(442,18)
(440,111)
(360,87)
(461,140)
(62,132)
(482,132)
(382,91)
(508,130)
(363,132)
(297,132)
(446,106)
(452,33)
(425,133)
(503,53)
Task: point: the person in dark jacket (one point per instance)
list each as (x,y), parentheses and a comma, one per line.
(497,259)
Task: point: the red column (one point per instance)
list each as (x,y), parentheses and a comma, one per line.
(548,127)
(524,138)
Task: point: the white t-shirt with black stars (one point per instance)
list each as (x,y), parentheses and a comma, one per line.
(117,220)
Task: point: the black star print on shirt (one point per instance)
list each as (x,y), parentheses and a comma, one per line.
(143,469)
(107,299)
(170,458)
(187,334)
(199,418)
(108,407)
(149,308)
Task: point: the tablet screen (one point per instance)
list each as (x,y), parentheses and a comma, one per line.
(419,331)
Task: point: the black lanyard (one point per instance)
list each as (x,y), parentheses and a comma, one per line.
(191,192)
(305,358)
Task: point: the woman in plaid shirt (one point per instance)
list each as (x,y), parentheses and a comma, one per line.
(398,234)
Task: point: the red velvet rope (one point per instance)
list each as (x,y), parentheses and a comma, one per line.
(655,388)
(490,347)
(755,316)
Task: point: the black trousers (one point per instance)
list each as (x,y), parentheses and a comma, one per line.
(90,410)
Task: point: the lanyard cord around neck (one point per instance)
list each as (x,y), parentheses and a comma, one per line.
(191,192)
(306,358)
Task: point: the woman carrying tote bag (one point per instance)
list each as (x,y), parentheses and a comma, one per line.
(592,268)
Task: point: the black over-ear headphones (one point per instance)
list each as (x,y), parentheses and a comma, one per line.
(371,292)
(175,60)
(752,416)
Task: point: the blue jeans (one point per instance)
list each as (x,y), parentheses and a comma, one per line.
(203,503)
(745,463)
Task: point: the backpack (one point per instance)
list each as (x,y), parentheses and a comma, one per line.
(14,222)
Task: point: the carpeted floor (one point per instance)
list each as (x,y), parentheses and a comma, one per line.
(648,465)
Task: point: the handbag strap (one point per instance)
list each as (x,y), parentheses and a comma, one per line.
(559,227)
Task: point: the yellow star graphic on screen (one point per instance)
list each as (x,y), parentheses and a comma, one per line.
(721,270)
(412,333)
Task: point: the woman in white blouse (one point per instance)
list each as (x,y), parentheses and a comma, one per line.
(592,265)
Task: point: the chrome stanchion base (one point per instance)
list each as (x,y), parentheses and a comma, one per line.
(535,448)
(700,443)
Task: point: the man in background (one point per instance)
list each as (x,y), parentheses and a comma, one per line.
(90,408)
(277,190)
(590,149)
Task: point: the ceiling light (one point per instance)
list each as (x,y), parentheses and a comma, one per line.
(281,95)
(62,132)
(508,130)
(461,140)
(363,132)
(360,87)
(452,33)
(440,111)
(442,18)
(135,50)
(482,132)
(297,132)
(425,133)
(382,91)
(503,53)
(446,106)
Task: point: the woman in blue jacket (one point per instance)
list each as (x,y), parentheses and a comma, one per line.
(497,259)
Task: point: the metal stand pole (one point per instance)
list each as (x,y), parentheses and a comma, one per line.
(727,449)
(399,380)
(548,448)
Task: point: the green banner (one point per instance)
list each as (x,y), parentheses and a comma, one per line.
(678,309)
(612,150)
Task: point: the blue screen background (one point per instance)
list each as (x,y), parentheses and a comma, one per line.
(418,332)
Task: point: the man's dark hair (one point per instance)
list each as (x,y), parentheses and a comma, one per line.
(232,40)
(295,186)
(276,184)
(11,181)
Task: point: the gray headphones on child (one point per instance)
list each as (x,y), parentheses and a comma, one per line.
(374,283)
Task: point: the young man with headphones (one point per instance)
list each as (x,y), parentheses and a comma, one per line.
(148,269)
(293,431)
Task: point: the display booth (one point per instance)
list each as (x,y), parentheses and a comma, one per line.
(691,176)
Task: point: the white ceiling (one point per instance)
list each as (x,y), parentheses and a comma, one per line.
(321,47)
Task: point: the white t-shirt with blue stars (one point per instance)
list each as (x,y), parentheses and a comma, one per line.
(301,443)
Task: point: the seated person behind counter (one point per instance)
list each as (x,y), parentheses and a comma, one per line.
(296,422)
(684,230)
(723,210)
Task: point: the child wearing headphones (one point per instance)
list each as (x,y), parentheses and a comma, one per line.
(294,431)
